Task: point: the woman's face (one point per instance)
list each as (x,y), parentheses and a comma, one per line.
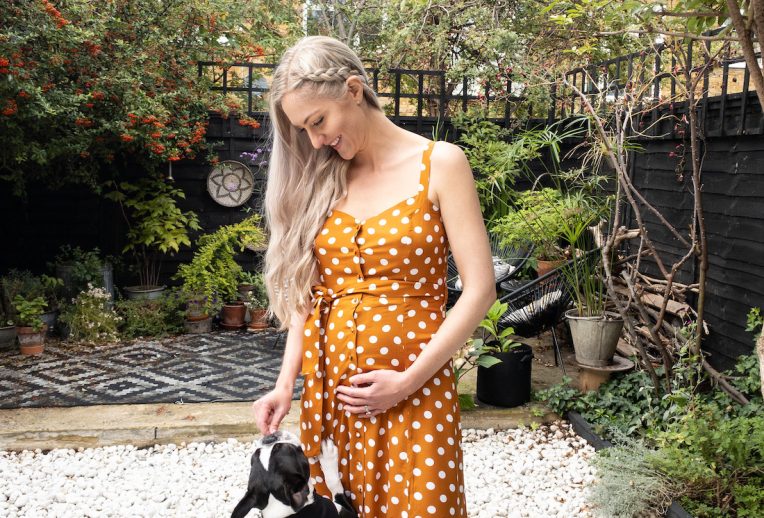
(336,123)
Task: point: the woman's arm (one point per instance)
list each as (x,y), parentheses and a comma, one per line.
(454,186)
(271,408)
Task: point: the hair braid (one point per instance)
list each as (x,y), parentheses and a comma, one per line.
(330,74)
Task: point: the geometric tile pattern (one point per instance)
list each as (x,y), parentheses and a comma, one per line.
(221,366)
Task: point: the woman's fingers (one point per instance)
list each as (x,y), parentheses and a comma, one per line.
(354,401)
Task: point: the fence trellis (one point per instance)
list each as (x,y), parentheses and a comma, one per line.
(606,79)
(396,78)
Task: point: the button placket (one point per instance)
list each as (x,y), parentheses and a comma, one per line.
(355,300)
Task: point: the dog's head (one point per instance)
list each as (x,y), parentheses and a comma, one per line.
(278,479)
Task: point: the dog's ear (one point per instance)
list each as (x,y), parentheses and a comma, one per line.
(257,489)
(299,498)
(256,498)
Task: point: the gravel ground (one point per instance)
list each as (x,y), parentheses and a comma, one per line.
(514,473)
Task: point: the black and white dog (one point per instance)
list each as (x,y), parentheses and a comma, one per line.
(279,481)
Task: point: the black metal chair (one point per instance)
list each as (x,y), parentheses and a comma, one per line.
(537,306)
(508,261)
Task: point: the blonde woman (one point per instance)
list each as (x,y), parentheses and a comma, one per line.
(361,216)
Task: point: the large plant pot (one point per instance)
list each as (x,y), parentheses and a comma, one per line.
(258,319)
(232,315)
(143,292)
(31,342)
(7,338)
(64,272)
(195,327)
(507,384)
(50,318)
(595,338)
(195,309)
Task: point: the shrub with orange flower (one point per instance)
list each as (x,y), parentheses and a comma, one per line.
(71,96)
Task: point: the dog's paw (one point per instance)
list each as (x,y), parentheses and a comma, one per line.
(329,450)
(329,460)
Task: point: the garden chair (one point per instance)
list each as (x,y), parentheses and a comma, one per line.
(539,305)
(508,261)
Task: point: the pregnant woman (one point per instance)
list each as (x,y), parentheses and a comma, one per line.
(361,215)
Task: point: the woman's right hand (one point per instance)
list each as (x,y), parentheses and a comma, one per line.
(271,408)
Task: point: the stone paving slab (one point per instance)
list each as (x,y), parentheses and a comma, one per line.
(146,425)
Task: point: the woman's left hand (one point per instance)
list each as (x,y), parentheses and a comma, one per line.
(372,393)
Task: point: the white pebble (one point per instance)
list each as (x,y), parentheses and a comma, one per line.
(508,474)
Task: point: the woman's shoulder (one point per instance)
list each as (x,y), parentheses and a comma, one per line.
(448,161)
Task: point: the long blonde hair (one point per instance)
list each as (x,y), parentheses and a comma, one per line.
(303,183)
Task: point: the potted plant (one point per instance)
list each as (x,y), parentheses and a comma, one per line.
(91,317)
(538,217)
(51,288)
(256,301)
(594,330)
(77,268)
(156,226)
(212,276)
(504,377)
(247,281)
(30,328)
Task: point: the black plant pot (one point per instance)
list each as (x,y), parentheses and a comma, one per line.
(508,383)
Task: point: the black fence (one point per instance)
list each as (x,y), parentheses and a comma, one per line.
(421,98)
(418,97)
(612,79)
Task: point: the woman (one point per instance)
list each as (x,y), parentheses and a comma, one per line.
(361,215)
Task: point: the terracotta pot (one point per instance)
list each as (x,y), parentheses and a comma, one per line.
(258,319)
(31,342)
(543,267)
(232,315)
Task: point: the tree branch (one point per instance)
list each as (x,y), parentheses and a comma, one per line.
(745,37)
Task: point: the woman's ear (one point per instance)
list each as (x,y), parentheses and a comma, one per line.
(355,88)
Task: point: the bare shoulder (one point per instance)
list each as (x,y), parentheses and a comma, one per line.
(450,170)
(448,157)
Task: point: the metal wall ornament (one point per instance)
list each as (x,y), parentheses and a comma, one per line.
(230,183)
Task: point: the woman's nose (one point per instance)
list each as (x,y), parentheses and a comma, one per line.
(316,140)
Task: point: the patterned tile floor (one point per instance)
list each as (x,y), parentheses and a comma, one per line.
(223,366)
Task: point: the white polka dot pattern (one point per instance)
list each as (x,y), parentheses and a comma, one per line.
(381,297)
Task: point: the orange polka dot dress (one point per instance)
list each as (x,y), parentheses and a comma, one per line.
(381,297)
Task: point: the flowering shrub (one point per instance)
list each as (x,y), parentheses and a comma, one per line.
(84,83)
(90,319)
